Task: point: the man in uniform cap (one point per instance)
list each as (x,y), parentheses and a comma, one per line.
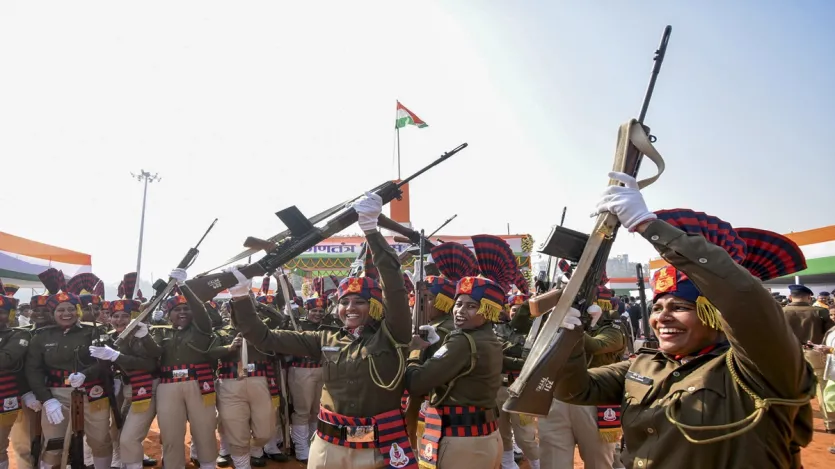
(824,300)
(809,324)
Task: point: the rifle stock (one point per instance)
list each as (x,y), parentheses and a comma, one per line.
(532,392)
(207,286)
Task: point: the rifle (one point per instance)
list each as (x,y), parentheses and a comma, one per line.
(36,431)
(304,235)
(74,448)
(107,380)
(532,392)
(419,317)
(442,225)
(163,289)
(283,282)
(649,337)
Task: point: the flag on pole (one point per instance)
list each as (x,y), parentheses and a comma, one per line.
(407,117)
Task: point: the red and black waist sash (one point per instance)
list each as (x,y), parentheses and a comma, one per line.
(200,372)
(229,370)
(94,388)
(141,388)
(386,432)
(9,393)
(457,421)
(304,362)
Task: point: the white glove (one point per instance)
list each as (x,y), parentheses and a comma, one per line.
(158,315)
(53,411)
(368,209)
(244,285)
(77,379)
(180,275)
(431,334)
(572,320)
(31,402)
(103,353)
(141,330)
(595,312)
(625,202)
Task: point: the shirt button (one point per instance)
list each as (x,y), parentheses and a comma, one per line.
(640,464)
(676,374)
(702,260)
(691,388)
(650,431)
(654,237)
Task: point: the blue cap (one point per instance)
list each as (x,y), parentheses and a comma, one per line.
(800,289)
(823,293)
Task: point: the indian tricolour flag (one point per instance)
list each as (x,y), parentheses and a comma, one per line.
(406,117)
(21,260)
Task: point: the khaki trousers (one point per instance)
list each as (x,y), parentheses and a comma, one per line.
(523,427)
(21,437)
(136,427)
(246,413)
(818,362)
(456,452)
(96,427)
(177,403)
(324,455)
(566,426)
(306,389)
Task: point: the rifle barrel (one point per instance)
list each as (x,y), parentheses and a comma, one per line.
(440,160)
(660,53)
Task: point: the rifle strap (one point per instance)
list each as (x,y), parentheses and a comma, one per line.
(65,452)
(633,132)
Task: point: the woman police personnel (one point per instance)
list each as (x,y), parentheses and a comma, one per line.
(728,386)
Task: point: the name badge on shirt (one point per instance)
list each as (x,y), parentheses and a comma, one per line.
(440,352)
(331,348)
(631,375)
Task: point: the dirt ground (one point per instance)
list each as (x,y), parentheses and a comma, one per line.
(815,456)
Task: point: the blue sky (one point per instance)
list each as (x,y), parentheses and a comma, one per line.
(245,109)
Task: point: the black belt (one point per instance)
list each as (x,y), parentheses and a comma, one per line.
(233,370)
(192,373)
(471,418)
(360,434)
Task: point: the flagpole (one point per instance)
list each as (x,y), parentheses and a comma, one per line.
(397,131)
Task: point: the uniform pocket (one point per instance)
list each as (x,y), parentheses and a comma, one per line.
(701,400)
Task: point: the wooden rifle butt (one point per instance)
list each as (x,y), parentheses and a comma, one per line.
(252,242)
(543,303)
(207,287)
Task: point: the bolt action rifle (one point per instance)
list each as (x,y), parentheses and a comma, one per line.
(532,392)
(304,235)
(162,290)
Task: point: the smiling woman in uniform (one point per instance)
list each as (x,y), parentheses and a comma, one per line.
(728,386)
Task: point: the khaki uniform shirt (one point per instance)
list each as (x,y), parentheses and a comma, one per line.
(808,322)
(53,348)
(13,346)
(478,388)
(192,344)
(137,354)
(346,360)
(702,390)
(604,344)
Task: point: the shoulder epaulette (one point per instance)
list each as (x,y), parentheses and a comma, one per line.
(47,327)
(328,327)
(161,326)
(646,350)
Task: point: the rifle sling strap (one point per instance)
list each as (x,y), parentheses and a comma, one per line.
(633,132)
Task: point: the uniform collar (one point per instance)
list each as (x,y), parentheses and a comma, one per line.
(799,303)
(713,350)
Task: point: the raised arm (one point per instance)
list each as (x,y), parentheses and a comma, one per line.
(245,320)
(743,301)
(396,299)
(201,319)
(607,341)
(578,385)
